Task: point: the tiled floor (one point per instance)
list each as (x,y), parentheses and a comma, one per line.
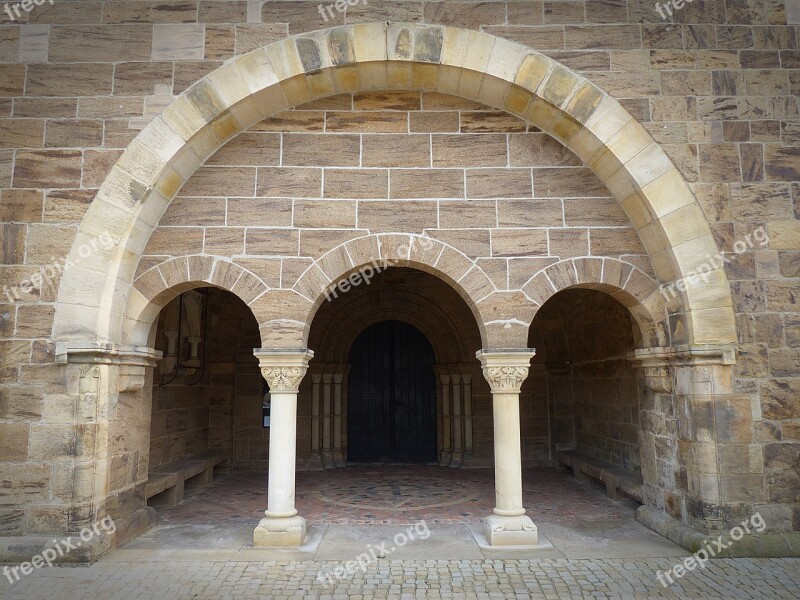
(390,494)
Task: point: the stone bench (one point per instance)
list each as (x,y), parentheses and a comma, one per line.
(616,479)
(167,484)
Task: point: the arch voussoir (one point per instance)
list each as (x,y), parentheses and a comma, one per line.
(371,56)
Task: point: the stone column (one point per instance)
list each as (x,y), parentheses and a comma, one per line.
(467,416)
(327,422)
(505,370)
(338,453)
(283,370)
(447,452)
(104,391)
(316,379)
(458,451)
(690,420)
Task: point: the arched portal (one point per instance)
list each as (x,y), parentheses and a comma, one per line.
(93,296)
(391,409)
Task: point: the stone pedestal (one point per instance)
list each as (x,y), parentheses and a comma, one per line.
(283,370)
(505,370)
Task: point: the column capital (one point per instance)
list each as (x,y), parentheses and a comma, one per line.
(283,368)
(505,369)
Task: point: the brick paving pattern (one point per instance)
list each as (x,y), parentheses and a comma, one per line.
(394,494)
(202,580)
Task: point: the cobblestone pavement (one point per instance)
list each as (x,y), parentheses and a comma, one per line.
(203,580)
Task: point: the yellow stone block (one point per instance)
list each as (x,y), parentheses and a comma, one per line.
(629,141)
(346,78)
(284,58)
(142,163)
(690,255)
(369,40)
(713,325)
(493,91)
(684,224)
(425,76)
(650,164)
(558,86)
(637,210)
(607,119)
(532,71)
(542,114)
(183,117)
(400,75)
(517,101)
(505,59)
(229,84)
(584,101)
(256,70)
(668,193)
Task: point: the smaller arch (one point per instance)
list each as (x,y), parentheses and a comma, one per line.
(381,251)
(625,282)
(448,328)
(161,283)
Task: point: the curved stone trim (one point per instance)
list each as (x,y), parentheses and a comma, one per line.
(157,286)
(372,56)
(383,250)
(625,282)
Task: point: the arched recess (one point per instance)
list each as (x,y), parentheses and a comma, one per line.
(438,312)
(382,251)
(371,56)
(626,283)
(160,284)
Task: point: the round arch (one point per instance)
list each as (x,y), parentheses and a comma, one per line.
(370,56)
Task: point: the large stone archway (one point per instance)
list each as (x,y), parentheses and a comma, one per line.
(494,71)
(104,309)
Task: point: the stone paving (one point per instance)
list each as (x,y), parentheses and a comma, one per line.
(395,494)
(576,516)
(202,580)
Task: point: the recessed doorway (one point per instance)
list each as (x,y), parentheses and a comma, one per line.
(391,416)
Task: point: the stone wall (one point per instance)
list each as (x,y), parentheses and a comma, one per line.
(717,87)
(218,404)
(582,340)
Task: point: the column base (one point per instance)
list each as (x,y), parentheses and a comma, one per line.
(280,532)
(511,531)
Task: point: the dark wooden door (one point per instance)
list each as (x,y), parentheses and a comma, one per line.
(391,411)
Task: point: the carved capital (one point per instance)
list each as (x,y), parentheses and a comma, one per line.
(283,369)
(505,370)
(505,379)
(283,379)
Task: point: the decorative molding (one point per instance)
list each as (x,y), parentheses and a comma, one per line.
(132,361)
(283,369)
(284,379)
(684,355)
(505,379)
(505,370)
(106,354)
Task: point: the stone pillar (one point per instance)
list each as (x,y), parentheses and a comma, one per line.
(458,450)
(693,420)
(467,416)
(283,370)
(105,392)
(338,453)
(447,452)
(505,370)
(327,429)
(315,425)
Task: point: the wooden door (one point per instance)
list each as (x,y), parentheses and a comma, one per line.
(391,414)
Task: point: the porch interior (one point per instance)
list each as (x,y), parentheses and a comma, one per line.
(351,507)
